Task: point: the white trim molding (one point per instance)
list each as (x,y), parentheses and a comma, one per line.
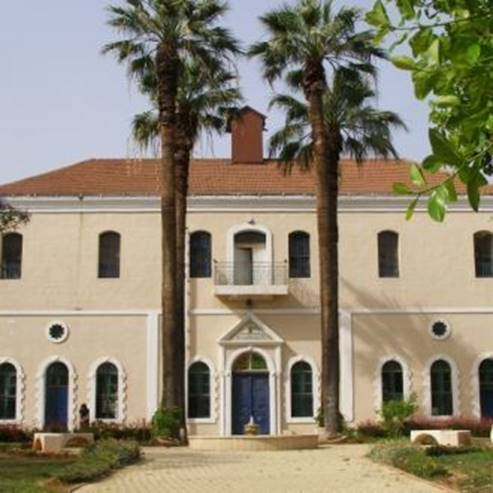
(152,360)
(456,400)
(227,203)
(213,390)
(121,413)
(346,387)
(316,389)
(41,392)
(20,394)
(377,381)
(475,384)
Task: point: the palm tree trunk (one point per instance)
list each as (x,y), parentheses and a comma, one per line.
(182,170)
(167,67)
(326,169)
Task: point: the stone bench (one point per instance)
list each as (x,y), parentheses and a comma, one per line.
(56,442)
(447,438)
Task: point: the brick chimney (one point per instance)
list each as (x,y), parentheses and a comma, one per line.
(247,140)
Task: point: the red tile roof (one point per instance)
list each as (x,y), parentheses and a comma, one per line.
(116,177)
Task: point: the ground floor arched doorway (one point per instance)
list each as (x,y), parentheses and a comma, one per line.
(56,397)
(250,393)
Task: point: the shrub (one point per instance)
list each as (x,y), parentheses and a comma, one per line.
(100,459)
(15,434)
(371,429)
(394,414)
(166,423)
(138,432)
(410,459)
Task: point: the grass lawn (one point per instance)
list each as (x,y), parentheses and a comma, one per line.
(467,469)
(23,474)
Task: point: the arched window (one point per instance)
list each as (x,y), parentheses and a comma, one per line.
(11,266)
(8,391)
(302,390)
(392,381)
(200,254)
(199,395)
(441,389)
(483,253)
(107,391)
(388,254)
(486,388)
(109,255)
(299,254)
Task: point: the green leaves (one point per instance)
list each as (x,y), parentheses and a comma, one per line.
(417,176)
(443,148)
(401,189)
(451,63)
(403,62)
(378,16)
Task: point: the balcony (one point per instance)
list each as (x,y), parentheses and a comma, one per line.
(254,280)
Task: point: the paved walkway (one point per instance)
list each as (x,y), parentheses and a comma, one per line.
(334,469)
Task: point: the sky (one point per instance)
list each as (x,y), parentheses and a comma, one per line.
(61,101)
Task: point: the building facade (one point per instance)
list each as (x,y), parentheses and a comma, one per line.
(80,296)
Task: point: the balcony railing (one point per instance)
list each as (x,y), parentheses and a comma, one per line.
(247,279)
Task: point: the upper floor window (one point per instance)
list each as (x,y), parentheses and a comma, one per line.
(301,390)
(11,266)
(483,253)
(441,389)
(199,395)
(299,254)
(109,255)
(388,254)
(200,254)
(392,381)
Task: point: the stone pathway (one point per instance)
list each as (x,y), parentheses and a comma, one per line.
(341,468)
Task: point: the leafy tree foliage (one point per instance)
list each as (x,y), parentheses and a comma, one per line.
(451,63)
(11,218)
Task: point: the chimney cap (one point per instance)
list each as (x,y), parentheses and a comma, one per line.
(239,113)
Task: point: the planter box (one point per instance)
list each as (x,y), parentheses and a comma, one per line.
(53,443)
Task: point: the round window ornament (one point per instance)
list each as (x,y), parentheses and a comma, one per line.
(440,329)
(57,332)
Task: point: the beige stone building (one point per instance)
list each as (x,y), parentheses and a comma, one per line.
(80,296)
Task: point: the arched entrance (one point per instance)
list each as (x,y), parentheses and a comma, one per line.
(486,388)
(250,393)
(56,396)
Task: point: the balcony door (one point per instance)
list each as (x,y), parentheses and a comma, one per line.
(250,255)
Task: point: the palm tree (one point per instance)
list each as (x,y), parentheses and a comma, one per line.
(168,33)
(202,105)
(305,41)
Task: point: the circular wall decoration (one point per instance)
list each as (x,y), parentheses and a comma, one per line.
(57,332)
(440,329)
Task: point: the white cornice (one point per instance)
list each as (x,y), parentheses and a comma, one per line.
(227,203)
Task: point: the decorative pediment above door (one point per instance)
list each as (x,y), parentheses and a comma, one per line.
(250,330)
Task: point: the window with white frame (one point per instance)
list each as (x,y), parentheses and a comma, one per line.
(109,255)
(442,398)
(199,390)
(392,381)
(8,391)
(107,391)
(302,390)
(11,256)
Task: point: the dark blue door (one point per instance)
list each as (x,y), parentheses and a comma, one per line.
(56,397)
(251,398)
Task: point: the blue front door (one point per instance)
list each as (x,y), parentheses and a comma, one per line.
(56,397)
(251,398)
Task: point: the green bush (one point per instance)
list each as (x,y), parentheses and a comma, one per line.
(136,432)
(395,413)
(166,423)
(100,459)
(410,459)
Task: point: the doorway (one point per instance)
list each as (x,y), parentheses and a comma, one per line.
(56,397)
